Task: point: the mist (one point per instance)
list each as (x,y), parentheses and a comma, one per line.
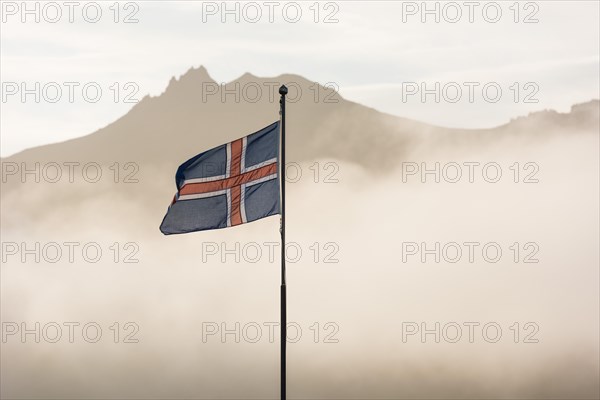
(357,291)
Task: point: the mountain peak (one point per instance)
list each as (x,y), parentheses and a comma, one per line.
(582,116)
(192,76)
(199,73)
(247,76)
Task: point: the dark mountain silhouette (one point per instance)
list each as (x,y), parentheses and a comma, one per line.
(196,113)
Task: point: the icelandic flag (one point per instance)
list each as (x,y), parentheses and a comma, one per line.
(232,184)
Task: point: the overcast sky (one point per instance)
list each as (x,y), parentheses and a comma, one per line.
(376,52)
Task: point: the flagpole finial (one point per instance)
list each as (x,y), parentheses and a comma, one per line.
(283,90)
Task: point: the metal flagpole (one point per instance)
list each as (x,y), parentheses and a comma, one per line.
(283,91)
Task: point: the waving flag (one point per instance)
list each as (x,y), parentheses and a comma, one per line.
(230,185)
(227,186)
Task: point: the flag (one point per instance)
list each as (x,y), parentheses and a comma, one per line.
(227,186)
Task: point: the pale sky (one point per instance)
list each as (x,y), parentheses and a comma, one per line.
(376,52)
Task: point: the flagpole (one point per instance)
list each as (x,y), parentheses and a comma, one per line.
(283,91)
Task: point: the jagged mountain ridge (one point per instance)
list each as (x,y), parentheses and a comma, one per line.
(190,116)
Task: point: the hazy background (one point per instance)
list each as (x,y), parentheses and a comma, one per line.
(362,204)
(367,48)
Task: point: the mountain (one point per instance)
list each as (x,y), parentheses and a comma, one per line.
(350,270)
(195,113)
